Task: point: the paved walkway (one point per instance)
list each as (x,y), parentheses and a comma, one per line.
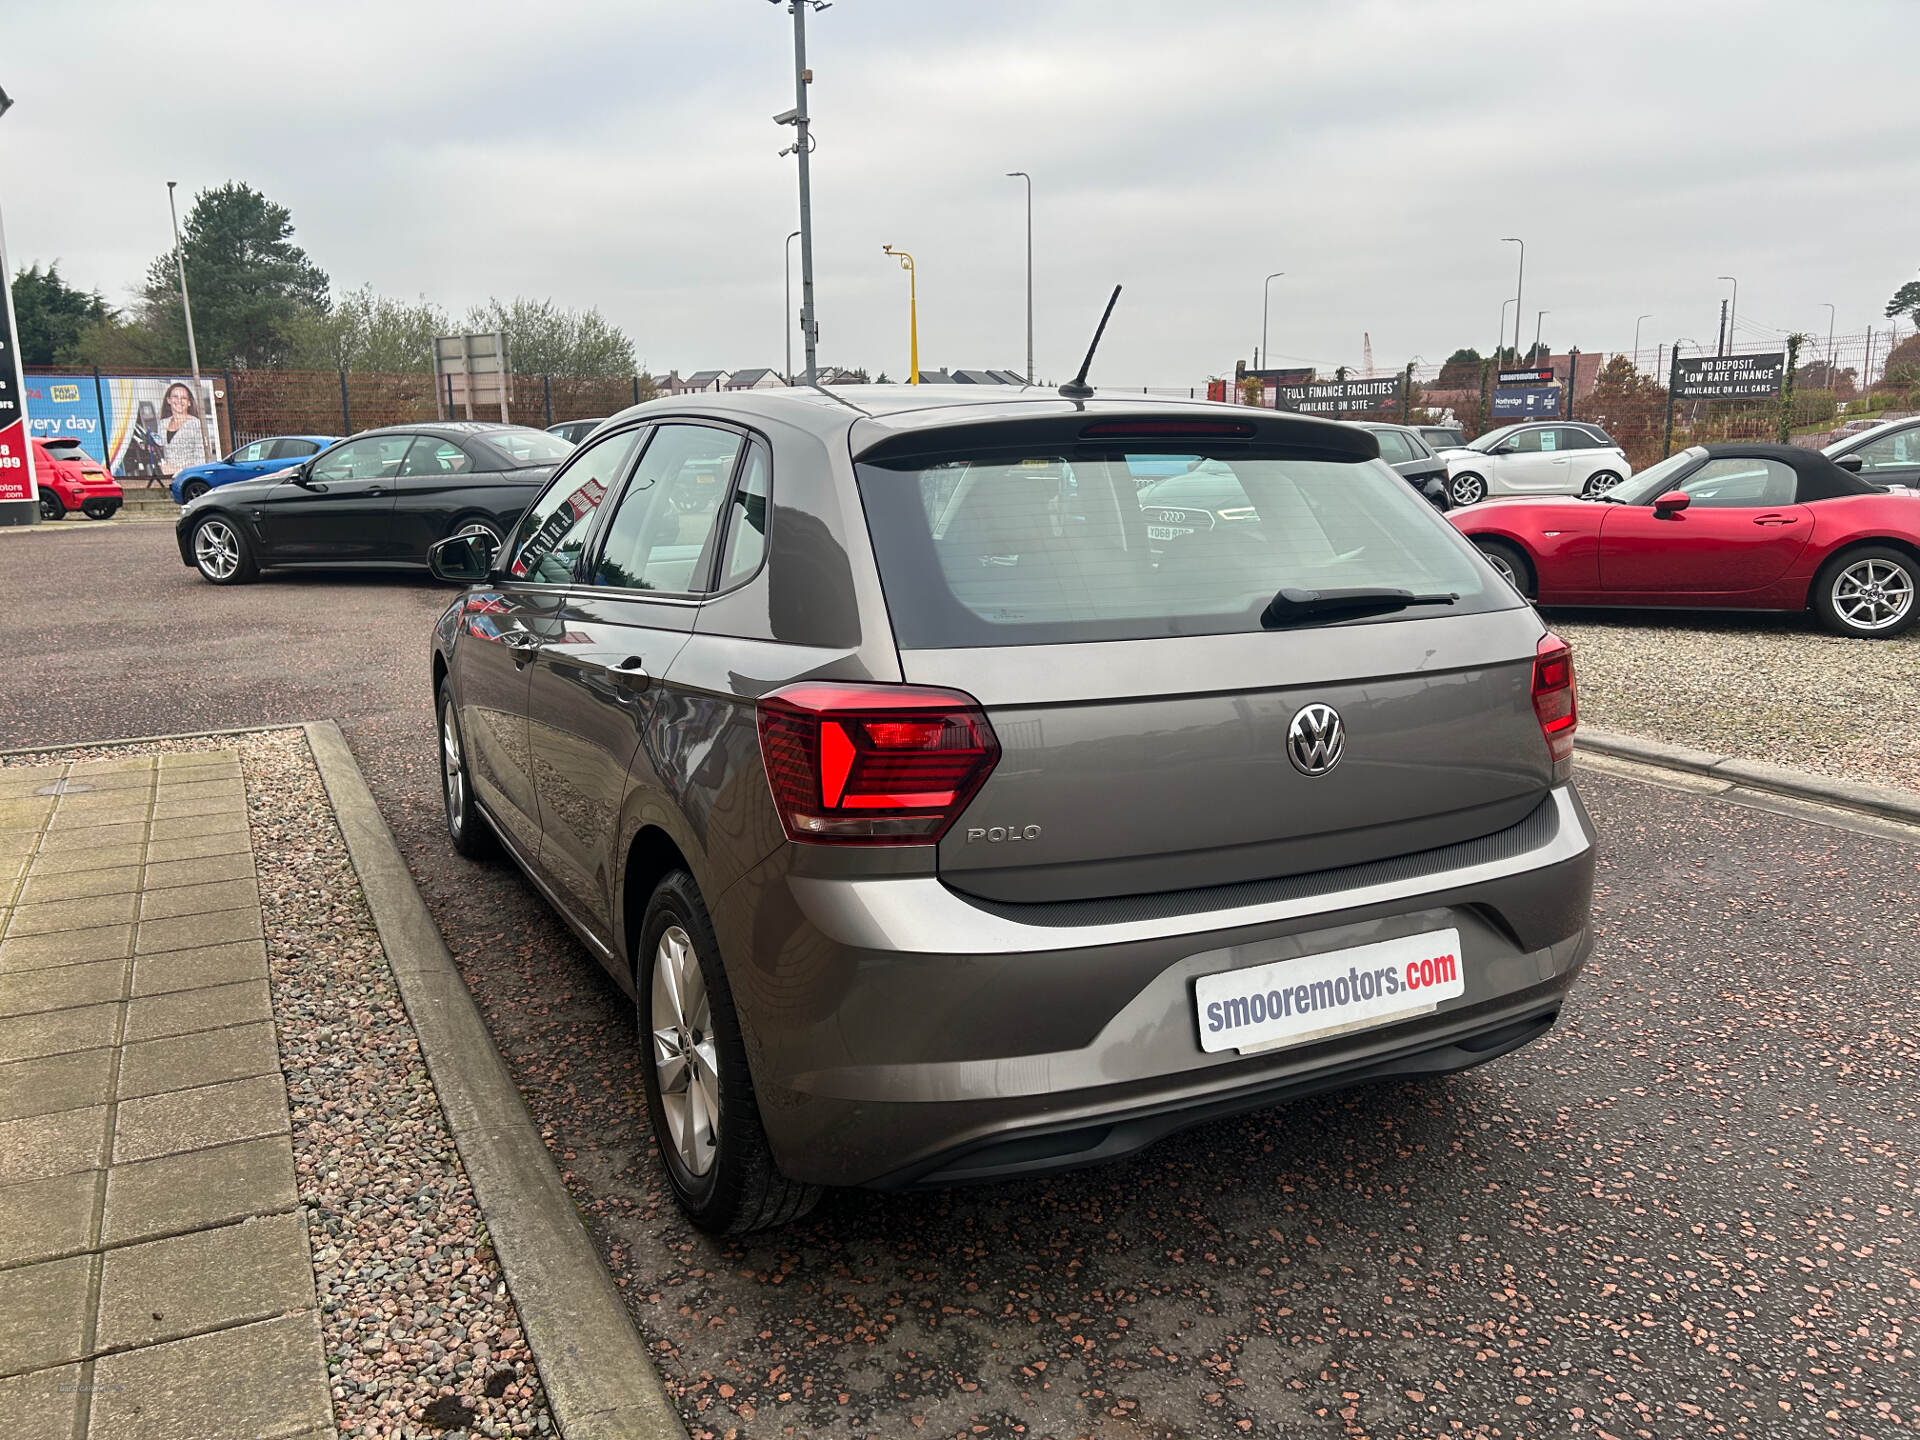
(155,1278)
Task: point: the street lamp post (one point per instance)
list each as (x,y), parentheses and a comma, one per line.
(1636,339)
(803,148)
(1022,175)
(1519,286)
(16,444)
(1733,315)
(786,317)
(1831,382)
(1501,342)
(1538,317)
(1266,289)
(913,314)
(186,306)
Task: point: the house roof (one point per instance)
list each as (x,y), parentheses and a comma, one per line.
(704,377)
(752,376)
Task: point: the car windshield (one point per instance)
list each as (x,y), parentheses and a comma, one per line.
(1650,484)
(1492,438)
(527,447)
(1005,548)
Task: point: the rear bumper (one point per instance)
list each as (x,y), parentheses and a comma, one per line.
(901,1033)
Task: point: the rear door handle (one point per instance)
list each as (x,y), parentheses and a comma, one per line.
(629,674)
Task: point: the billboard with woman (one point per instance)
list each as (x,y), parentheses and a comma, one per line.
(143,426)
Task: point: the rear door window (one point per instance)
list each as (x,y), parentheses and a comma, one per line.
(662,536)
(1394,448)
(1004,548)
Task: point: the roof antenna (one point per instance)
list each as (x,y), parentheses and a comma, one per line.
(1077,388)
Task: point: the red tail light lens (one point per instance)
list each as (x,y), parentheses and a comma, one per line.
(1553,695)
(873,764)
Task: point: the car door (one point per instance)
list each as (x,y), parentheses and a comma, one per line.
(436,471)
(1532,462)
(504,625)
(1891,459)
(341,506)
(601,713)
(1741,533)
(243,464)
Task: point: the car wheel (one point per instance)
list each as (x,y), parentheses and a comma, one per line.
(1511,564)
(700,1102)
(1467,489)
(50,506)
(100,509)
(1599,483)
(466,827)
(479,527)
(1868,593)
(193,490)
(220,552)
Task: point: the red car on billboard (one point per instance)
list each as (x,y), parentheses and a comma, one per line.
(1739,526)
(71,479)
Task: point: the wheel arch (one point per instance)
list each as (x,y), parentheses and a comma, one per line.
(1844,548)
(652,855)
(1512,542)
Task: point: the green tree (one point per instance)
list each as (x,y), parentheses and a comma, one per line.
(250,284)
(364,330)
(1620,380)
(52,314)
(1461,370)
(543,339)
(1902,369)
(1905,301)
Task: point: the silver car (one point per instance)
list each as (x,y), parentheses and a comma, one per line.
(956,805)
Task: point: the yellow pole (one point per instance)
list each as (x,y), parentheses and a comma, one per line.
(913,313)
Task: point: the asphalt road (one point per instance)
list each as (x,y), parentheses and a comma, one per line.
(1689,1210)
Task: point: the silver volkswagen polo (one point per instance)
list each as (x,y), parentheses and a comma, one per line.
(975,785)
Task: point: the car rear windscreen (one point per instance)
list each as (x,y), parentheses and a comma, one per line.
(1009,548)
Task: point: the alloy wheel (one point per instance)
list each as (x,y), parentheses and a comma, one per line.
(216,550)
(50,506)
(480,527)
(1503,565)
(1467,489)
(686,1061)
(1873,594)
(1601,483)
(452,772)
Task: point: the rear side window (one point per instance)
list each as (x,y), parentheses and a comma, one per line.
(662,535)
(1009,549)
(293,449)
(747,518)
(1394,447)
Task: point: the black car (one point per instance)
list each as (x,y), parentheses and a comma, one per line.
(377,500)
(1403,449)
(574,431)
(1442,437)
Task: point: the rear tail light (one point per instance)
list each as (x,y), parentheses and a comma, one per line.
(873,764)
(1553,695)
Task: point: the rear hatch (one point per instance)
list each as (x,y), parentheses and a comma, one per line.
(1109,599)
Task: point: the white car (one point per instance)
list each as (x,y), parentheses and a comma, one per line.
(1540,457)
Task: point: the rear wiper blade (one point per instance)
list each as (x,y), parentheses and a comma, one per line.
(1302,607)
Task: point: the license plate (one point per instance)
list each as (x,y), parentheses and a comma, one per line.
(1166,532)
(1291,1002)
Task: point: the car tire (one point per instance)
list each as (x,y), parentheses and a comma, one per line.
(467,828)
(193,490)
(100,509)
(700,1101)
(1467,488)
(476,526)
(1871,592)
(50,506)
(221,553)
(1511,562)
(1599,483)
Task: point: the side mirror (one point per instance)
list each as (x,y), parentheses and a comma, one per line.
(1671,504)
(1849,462)
(461,559)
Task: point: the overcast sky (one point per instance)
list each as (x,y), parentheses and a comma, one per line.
(622,155)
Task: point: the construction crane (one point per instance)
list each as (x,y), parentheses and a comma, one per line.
(1366,353)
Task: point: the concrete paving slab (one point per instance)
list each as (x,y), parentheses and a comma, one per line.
(173,760)
(91,837)
(111,764)
(181,1062)
(176,1193)
(188,1389)
(43,1314)
(193,847)
(78,884)
(58,1144)
(182,1120)
(189,827)
(185,931)
(86,913)
(25,991)
(99,782)
(45,1405)
(100,807)
(184,1012)
(201,966)
(26,780)
(15,843)
(100,857)
(55,1082)
(66,947)
(205,1280)
(48,1219)
(210,807)
(25,812)
(55,1032)
(201,899)
(203,870)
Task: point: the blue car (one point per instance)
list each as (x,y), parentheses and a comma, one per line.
(256,458)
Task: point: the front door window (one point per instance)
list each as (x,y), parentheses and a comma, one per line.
(547,544)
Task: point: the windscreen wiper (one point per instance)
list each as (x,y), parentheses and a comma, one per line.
(1303,607)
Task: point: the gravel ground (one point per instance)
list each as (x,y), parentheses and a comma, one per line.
(1775,688)
(1689,1210)
(420,1332)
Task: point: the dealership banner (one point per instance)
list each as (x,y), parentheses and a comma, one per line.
(141,426)
(1339,397)
(1521,401)
(1729,377)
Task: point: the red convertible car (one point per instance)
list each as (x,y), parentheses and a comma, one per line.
(1740,526)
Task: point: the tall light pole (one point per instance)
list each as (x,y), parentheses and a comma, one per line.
(1519,285)
(1022,175)
(186,305)
(1499,344)
(1831,382)
(1636,339)
(1733,315)
(1538,317)
(803,147)
(787,314)
(16,447)
(1266,289)
(913,314)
